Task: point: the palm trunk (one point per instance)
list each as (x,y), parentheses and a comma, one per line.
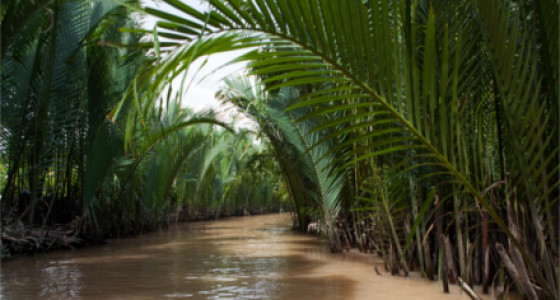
(393,232)
(414,204)
(459,232)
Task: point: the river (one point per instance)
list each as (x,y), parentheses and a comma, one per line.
(237,258)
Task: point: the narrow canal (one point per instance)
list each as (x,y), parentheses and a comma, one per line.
(238,258)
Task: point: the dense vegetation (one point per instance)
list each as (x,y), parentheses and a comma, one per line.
(426,131)
(64,159)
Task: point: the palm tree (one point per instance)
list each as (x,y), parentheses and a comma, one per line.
(455,92)
(56,93)
(313,181)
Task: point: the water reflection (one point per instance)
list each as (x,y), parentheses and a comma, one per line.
(64,282)
(242,258)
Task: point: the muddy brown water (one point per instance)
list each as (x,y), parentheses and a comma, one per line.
(238,258)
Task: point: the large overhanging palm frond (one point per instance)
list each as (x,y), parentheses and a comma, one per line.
(329,181)
(313,161)
(310,54)
(250,98)
(408,67)
(294,143)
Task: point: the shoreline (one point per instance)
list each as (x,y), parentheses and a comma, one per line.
(21,240)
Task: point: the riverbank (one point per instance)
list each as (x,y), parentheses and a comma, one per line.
(256,257)
(18,239)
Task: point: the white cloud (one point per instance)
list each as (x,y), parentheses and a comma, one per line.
(202,83)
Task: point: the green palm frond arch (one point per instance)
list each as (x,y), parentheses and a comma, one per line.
(435,79)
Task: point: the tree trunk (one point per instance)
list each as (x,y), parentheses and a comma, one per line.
(394,261)
(452,271)
(521,280)
(486,250)
(417,231)
(429,265)
(443,264)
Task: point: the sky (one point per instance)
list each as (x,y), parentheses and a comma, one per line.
(203,85)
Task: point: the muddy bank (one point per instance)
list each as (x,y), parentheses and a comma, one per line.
(17,238)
